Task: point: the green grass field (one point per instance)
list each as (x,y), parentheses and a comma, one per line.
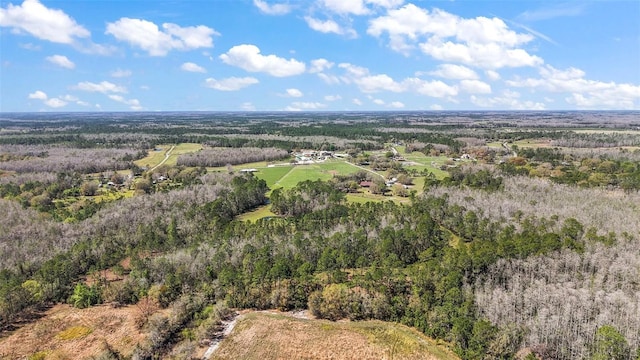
(430,163)
(320,171)
(272,174)
(157,155)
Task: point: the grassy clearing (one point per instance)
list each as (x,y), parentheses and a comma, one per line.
(181,149)
(532,143)
(154,158)
(320,171)
(265,336)
(259,213)
(272,174)
(430,163)
(157,155)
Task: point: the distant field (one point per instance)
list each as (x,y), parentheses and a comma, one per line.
(157,155)
(532,143)
(266,336)
(602,131)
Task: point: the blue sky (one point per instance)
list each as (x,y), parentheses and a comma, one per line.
(325,55)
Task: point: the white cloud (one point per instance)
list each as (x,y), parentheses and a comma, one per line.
(396,105)
(434,88)
(248,57)
(294,93)
(103,87)
(68,97)
(298,106)
(346,7)
(484,55)
(119,73)
(192,67)
(47,24)
(248,106)
(38,95)
(492,75)
(320,65)
(584,93)
(509,99)
(368,83)
(436,107)
(378,101)
(356,102)
(61,61)
(482,42)
(451,71)
(55,103)
(388,4)
(230,84)
(475,87)
(329,79)
(553,11)
(329,26)
(147,36)
(30,46)
(332,98)
(273,9)
(134,104)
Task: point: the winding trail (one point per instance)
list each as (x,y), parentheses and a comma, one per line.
(166,157)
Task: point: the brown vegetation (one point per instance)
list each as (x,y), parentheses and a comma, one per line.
(268,336)
(68,333)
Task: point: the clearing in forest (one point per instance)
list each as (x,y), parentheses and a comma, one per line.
(159,156)
(266,336)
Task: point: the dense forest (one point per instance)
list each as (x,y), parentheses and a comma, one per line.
(518,237)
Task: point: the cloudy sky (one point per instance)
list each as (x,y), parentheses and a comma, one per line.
(326,55)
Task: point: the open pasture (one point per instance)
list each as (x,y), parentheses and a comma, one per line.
(419,161)
(318,171)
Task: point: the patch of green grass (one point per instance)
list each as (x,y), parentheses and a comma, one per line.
(181,149)
(74,332)
(272,174)
(40,355)
(154,157)
(259,213)
(364,198)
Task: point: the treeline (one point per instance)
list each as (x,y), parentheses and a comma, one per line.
(66,159)
(308,196)
(567,168)
(144,224)
(223,156)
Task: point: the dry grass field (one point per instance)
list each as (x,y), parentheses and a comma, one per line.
(270,336)
(64,332)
